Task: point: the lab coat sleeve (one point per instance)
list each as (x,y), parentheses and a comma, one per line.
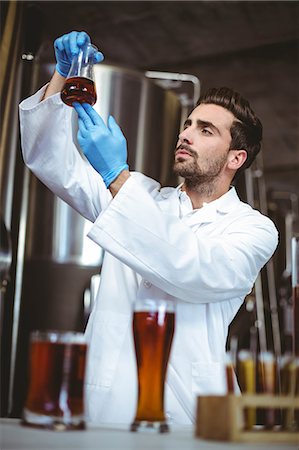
(48,140)
(184,264)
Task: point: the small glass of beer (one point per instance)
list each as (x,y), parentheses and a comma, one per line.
(55,398)
(153,329)
(79,85)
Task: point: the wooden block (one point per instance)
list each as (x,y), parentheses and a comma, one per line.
(269,401)
(217,418)
(221,418)
(268,436)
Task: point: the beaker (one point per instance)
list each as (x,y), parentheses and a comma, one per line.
(80,86)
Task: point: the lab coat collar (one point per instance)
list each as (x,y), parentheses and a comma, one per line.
(209,212)
(225,203)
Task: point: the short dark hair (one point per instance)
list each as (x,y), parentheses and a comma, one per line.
(247,131)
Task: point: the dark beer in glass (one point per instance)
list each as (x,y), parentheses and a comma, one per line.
(153,329)
(55,396)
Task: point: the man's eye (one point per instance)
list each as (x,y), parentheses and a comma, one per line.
(206,131)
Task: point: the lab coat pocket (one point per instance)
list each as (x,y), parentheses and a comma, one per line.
(208,378)
(108,331)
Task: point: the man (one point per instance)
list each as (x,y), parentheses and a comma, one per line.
(196,244)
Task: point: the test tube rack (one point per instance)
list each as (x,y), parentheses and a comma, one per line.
(221,418)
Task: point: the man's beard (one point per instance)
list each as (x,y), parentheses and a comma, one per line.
(195,177)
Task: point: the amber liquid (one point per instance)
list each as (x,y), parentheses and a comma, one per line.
(229,370)
(296,319)
(56,379)
(153,333)
(296,342)
(78,89)
(267,384)
(297,395)
(289,376)
(247,381)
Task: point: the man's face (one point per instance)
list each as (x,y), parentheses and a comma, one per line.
(203,145)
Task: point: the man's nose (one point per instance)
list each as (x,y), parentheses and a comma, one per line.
(185,137)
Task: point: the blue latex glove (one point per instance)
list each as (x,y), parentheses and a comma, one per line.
(67,46)
(105,147)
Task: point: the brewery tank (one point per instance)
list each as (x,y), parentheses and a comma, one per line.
(150,118)
(59,261)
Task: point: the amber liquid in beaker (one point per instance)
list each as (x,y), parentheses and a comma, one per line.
(79,89)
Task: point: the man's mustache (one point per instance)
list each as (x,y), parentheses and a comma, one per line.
(187,148)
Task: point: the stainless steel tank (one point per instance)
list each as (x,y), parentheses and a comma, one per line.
(56,261)
(56,243)
(149,117)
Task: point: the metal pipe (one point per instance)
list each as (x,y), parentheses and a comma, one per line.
(9,132)
(251,175)
(7,39)
(260,314)
(182,77)
(261,186)
(20,261)
(290,217)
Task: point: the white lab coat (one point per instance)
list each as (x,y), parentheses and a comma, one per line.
(155,246)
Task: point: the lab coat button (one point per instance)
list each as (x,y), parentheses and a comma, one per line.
(147,284)
(169,417)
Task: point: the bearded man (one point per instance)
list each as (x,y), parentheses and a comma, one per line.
(196,245)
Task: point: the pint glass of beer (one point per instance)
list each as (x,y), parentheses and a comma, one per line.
(55,397)
(153,328)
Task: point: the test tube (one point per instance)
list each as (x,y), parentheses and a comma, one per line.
(267,382)
(288,380)
(297,393)
(246,376)
(230,374)
(230,365)
(295,293)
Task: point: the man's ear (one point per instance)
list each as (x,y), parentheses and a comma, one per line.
(236,159)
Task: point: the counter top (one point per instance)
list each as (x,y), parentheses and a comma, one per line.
(114,437)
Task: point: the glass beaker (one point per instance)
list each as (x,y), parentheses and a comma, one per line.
(55,397)
(79,85)
(153,329)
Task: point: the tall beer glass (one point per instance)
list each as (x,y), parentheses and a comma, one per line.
(153,328)
(55,396)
